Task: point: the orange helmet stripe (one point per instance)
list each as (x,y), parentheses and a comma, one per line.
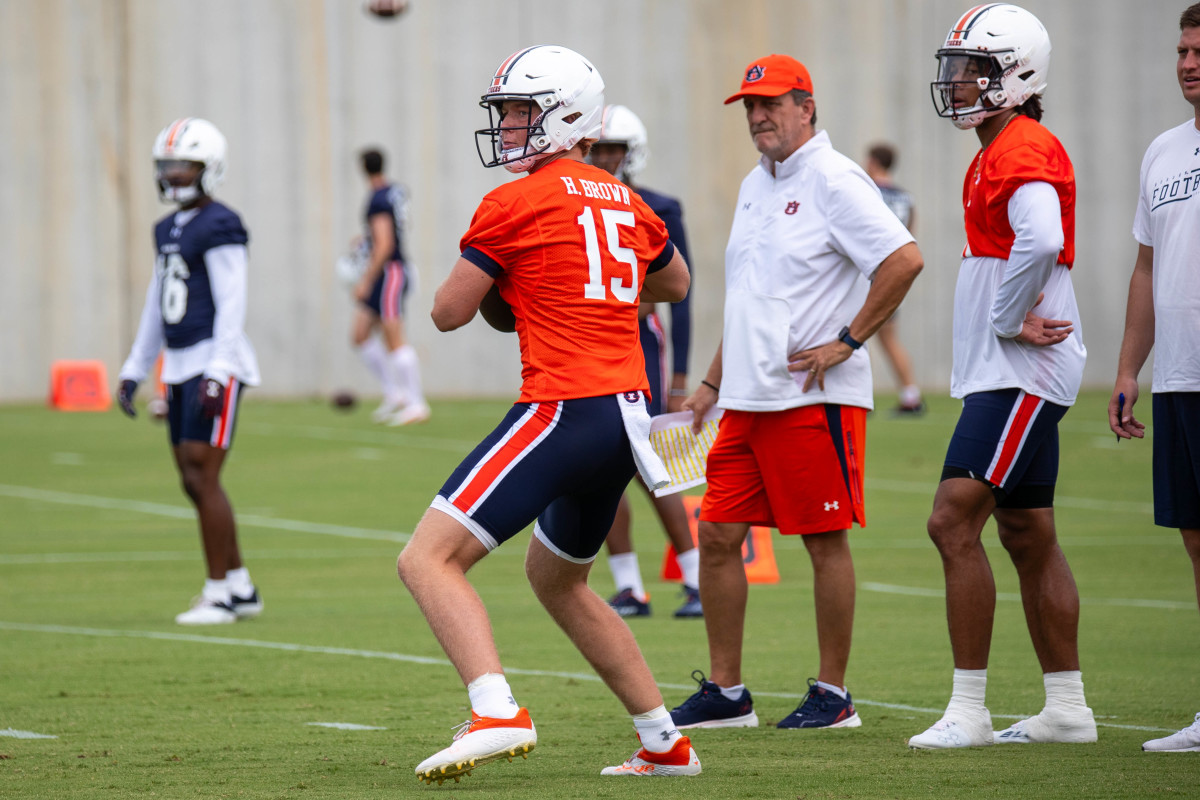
(506,67)
(177,130)
(963,26)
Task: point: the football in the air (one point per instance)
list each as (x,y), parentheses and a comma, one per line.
(344,401)
(386,9)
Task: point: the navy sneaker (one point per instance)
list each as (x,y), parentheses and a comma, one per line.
(708,708)
(246,607)
(822,709)
(691,605)
(625,604)
(904,410)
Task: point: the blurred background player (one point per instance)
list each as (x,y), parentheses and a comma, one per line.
(196,308)
(562,257)
(380,295)
(1161,313)
(622,151)
(1017,373)
(881,159)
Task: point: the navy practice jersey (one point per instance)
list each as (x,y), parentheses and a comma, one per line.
(670,212)
(390,200)
(187,304)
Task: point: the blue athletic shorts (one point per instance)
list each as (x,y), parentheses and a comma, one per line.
(562,463)
(391,287)
(1009,440)
(650,332)
(1177,459)
(185,416)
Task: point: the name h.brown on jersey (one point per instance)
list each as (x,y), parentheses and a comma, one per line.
(601,190)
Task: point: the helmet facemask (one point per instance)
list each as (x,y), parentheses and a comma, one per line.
(969,87)
(175,185)
(518,158)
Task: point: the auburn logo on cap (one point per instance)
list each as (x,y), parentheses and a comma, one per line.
(755,73)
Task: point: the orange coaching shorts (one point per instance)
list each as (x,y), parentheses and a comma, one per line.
(799,470)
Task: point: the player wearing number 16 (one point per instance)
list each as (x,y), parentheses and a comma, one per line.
(562,256)
(194,312)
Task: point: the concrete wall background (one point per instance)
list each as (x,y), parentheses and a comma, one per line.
(299,86)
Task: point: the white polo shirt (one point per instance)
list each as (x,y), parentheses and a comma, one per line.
(803,245)
(1168,219)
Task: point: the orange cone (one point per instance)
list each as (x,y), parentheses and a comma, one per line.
(758,554)
(79,386)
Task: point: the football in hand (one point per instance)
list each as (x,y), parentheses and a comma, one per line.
(344,401)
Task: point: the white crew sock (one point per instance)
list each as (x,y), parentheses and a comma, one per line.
(408,370)
(970,687)
(491,696)
(689,565)
(627,574)
(375,356)
(657,730)
(1064,690)
(910,395)
(239,582)
(840,691)
(216,591)
(733,693)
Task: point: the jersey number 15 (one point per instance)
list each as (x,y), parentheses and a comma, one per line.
(594,289)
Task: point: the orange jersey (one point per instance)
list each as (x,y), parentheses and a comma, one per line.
(1024,152)
(569,247)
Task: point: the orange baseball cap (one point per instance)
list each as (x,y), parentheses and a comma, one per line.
(772,76)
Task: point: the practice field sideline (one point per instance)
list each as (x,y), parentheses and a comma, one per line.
(339,689)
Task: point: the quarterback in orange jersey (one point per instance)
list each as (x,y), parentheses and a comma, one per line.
(1018,363)
(563,257)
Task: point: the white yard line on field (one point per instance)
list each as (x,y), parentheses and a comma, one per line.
(186,512)
(1131,602)
(425,660)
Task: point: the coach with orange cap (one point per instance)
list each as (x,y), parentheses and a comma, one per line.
(816,262)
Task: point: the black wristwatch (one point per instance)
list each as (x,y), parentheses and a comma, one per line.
(845,338)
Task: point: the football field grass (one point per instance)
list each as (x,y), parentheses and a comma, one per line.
(103,696)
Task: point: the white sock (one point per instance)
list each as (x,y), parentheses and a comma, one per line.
(733,693)
(689,565)
(239,582)
(970,687)
(491,697)
(657,730)
(216,591)
(840,691)
(404,361)
(1064,690)
(373,355)
(627,574)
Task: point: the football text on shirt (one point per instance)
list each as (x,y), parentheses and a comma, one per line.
(597,189)
(1175,188)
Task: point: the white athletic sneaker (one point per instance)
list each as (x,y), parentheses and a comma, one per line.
(956,730)
(246,607)
(1051,725)
(1185,741)
(679,760)
(387,409)
(417,412)
(478,741)
(207,612)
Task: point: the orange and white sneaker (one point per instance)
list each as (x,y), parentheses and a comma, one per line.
(679,760)
(478,741)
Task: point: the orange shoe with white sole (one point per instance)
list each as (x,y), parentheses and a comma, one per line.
(478,741)
(679,760)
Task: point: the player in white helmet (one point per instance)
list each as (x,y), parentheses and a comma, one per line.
(562,257)
(195,312)
(1018,363)
(622,151)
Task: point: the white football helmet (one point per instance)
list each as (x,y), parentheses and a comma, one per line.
(998,48)
(190,139)
(619,125)
(558,83)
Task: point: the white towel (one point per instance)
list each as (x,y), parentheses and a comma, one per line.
(637,428)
